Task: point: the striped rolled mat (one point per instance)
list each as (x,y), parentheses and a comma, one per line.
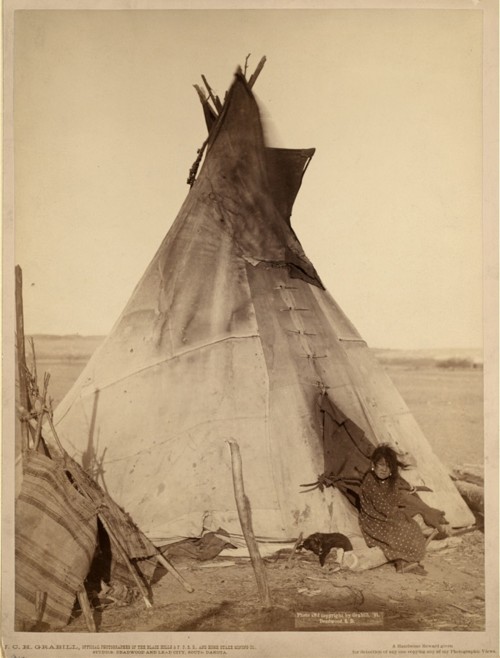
(55,541)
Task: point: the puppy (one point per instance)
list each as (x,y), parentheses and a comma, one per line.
(321,544)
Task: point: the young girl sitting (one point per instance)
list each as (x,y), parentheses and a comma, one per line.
(382,518)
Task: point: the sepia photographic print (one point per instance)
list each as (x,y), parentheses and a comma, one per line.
(250,329)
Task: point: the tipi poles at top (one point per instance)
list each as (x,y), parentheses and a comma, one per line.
(215,99)
(257,71)
(215,110)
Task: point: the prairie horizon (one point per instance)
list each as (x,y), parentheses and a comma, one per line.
(83,346)
(443,388)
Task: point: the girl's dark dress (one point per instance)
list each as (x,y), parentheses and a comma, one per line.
(385,525)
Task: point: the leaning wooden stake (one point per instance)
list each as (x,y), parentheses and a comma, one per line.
(40,405)
(245,514)
(21,352)
(172,570)
(293,554)
(433,534)
(86,609)
(40,603)
(123,554)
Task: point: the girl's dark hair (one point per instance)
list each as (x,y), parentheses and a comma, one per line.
(384,451)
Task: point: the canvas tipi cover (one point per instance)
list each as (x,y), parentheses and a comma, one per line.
(230,334)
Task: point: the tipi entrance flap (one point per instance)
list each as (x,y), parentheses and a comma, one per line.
(347,459)
(347,450)
(390,421)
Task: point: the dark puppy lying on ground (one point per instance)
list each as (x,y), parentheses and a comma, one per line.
(322,543)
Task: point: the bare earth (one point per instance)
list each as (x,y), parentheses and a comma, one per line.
(450,597)
(447,403)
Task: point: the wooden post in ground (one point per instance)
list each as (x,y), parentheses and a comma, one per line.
(161,559)
(86,609)
(40,602)
(293,554)
(245,515)
(21,352)
(115,541)
(431,537)
(40,408)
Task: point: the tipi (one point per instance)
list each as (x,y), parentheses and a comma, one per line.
(230,334)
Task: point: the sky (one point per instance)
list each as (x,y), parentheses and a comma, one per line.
(107,124)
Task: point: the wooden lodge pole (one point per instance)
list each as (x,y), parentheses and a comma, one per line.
(161,559)
(215,99)
(257,71)
(245,515)
(293,554)
(123,554)
(21,349)
(84,602)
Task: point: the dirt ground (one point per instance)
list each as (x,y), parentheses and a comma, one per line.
(226,598)
(447,403)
